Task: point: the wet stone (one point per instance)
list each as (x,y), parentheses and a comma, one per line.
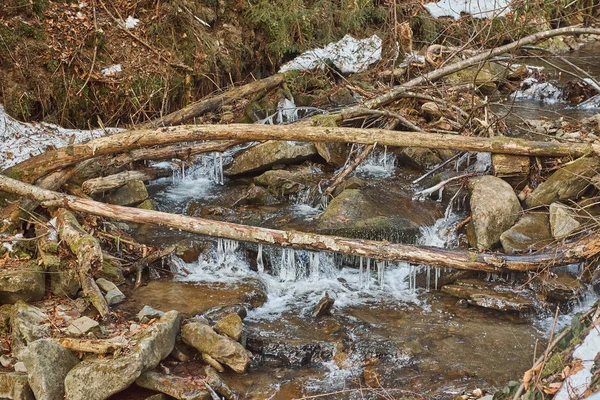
(230,325)
(174,386)
(218,312)
(265,155)
(488,295)
(323,307)
(132,193)
(561,286)
(147,313)
(532,231)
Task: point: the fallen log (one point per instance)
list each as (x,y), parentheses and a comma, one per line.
(437,257)
(88,252)
(52,160)
(483,56)
(96,346)
(106,183)
(204,106)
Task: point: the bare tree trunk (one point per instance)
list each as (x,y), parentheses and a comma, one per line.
(309,241)
(40,165)
(88,252)
(204,106)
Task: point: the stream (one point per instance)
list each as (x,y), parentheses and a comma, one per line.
(390,326)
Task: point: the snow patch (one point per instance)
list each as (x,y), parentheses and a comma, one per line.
(477,8)
(349,55)
(112,70)
(20,140)
(131,22)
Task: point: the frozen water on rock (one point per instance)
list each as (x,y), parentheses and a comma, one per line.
(287,112)
(531,89)
(349,55)
(112,70)
(477,8)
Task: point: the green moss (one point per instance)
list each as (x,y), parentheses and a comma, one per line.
(326,120)
(30,31)
(553,365)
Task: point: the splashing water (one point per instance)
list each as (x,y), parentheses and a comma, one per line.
(381,164)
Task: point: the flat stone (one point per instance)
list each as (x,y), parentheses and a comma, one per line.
(82,326)
(335,154)
(265,155)
(106,285)
(97,378)
(47,366)
(559,287)
(221,348)
(486,295)
(531,232)
(494,209)
(132,193)
(218,312)
(562,221)
(567,183)
(174,386)
(147,313)
(280,182)
(20,367)
(230,325)
(22,283)
(15,386)
(114,296)
(213,363)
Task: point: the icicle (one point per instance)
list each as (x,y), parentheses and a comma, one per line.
(221,179)
(437,275)
(428,278)
(182,171)
(385,157)
(220,251)
(314,260)
(260,266)
(381,273)
(287,270)
(368,274)
(361,273)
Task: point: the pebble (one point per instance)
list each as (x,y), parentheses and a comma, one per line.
(478,393)
(82,325)
(20,367)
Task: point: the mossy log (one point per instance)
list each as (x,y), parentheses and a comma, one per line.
(437,257)
(89,256)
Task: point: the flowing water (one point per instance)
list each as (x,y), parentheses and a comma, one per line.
(388,318)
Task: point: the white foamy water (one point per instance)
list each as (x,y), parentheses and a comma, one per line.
(531,89)
(380,164)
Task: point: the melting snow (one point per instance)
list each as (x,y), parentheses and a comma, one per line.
(477,8)
(131,22)
(349,55)
(20,140)
(112,70)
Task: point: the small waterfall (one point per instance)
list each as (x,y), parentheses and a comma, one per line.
(287,266)
(226,252)
(380,163)
(260,265)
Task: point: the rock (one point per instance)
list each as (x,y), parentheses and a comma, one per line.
(147,313)
(132,193)
(431,109)
(7,362)
(419,158)
(174,386)
(99,378)
(20,367)
(5,311)
(213,363)
(114,296)
(289,352)
(334,153)
(23,283)
(371,376)
(182,352)
(189,250)
(486,295)
(559,287)
(83,326)
(483,76)
(532,231)
(159,396)
(513,169)
(111,270)
(280,182)
(26,325)
(218,312)
(366,215)
(218,385)
(263,156)
(47,366)
(14,385)
(148,204)
(569,182)
(221,348)
(494,209)
(353,182)
(230,325)
(64,281)
(105,285)
(562,221)
(323,307)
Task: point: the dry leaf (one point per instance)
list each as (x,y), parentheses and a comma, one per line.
(527,377)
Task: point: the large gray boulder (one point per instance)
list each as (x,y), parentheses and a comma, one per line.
(494,209)
(567,183)
(531,232)
(134,192)
(47,366)
(221,348)
(280,182)
(100,378)
(24,283)
(28,324)
(263,156)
